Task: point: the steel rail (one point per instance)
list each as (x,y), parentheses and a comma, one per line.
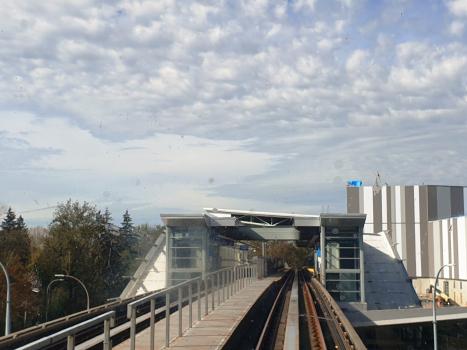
(339,336)
(314,328)
(276,308)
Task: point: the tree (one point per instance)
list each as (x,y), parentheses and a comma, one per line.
(146,235)
(293,256)
(9,223)
(15,254)
(14,238)
(126,230)
(83,243)
(24,301)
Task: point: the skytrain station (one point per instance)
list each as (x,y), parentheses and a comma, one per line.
(372,268)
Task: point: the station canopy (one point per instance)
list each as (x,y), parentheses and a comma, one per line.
(263,226)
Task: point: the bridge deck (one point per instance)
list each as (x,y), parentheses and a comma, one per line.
(213,330)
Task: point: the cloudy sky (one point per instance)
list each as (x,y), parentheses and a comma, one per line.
(171,106)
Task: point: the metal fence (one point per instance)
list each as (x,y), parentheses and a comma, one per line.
(226,282)
(70,333)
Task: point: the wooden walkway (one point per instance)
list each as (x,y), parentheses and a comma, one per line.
(213,330)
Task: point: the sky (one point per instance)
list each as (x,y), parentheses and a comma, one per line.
(171,106)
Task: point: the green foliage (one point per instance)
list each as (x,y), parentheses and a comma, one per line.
(147,235)
(15,254)
(293,256)
(82,242)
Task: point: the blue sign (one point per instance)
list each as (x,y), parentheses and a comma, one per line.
(243,247)
(355,183)
(318,252)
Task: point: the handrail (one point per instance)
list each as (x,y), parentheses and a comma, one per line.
(69,333)
(233,279)
(71,317)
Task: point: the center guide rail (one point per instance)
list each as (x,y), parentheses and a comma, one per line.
(342,333)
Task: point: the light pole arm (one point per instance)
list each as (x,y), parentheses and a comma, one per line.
(87,294)
(8,296)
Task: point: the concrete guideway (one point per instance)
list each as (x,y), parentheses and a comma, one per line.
(213,330)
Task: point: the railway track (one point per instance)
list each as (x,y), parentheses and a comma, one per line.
(274,330)
(327,327)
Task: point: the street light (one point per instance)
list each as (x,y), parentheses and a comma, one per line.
(435,336)
(48,291)
(87,294)
(7,321)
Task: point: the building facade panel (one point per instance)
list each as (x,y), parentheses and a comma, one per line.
(424,236)
(455,238)
(457,201)
(462,248)
(368,209)
(410,253)
(443,202)
(412,215)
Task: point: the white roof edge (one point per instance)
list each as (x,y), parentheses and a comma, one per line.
(259,213)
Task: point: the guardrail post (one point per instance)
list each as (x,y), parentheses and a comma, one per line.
(151,340)
(180,320)
(224,274)
(198,285)
(70,344)
(206,293)
(212,292)
(228,284)
(133,329)
(243,277)
(218,288)
(190,307)
(235,280)
(106,334)
(167,320)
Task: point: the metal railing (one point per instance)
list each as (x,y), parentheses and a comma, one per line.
(70,333)
(230,280)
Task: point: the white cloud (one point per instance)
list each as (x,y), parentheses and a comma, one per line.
(457,28)
(457,7)
(263,93)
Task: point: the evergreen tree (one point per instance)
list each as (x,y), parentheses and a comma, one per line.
(14,238)
(20,225)
(9,223)
(126,231)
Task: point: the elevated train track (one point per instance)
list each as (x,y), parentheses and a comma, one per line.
(29,335)
(323,324)
(327,327)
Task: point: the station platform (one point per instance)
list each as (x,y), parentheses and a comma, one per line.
(213,330)
(404,316)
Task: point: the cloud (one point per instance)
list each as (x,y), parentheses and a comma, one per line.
(262,97)
(457,7)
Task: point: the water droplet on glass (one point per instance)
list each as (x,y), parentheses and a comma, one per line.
(338,164)
(24,23)
(211,180)
(106,194)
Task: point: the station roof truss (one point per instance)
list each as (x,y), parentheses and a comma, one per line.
(256,225)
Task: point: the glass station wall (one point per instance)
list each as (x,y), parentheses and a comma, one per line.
(342,262)
(186,249)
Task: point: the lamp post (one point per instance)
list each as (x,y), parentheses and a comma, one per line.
(7,321)
(87,294)
(48,291)
(435,336)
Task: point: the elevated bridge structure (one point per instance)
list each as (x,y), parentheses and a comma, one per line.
(203,261)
